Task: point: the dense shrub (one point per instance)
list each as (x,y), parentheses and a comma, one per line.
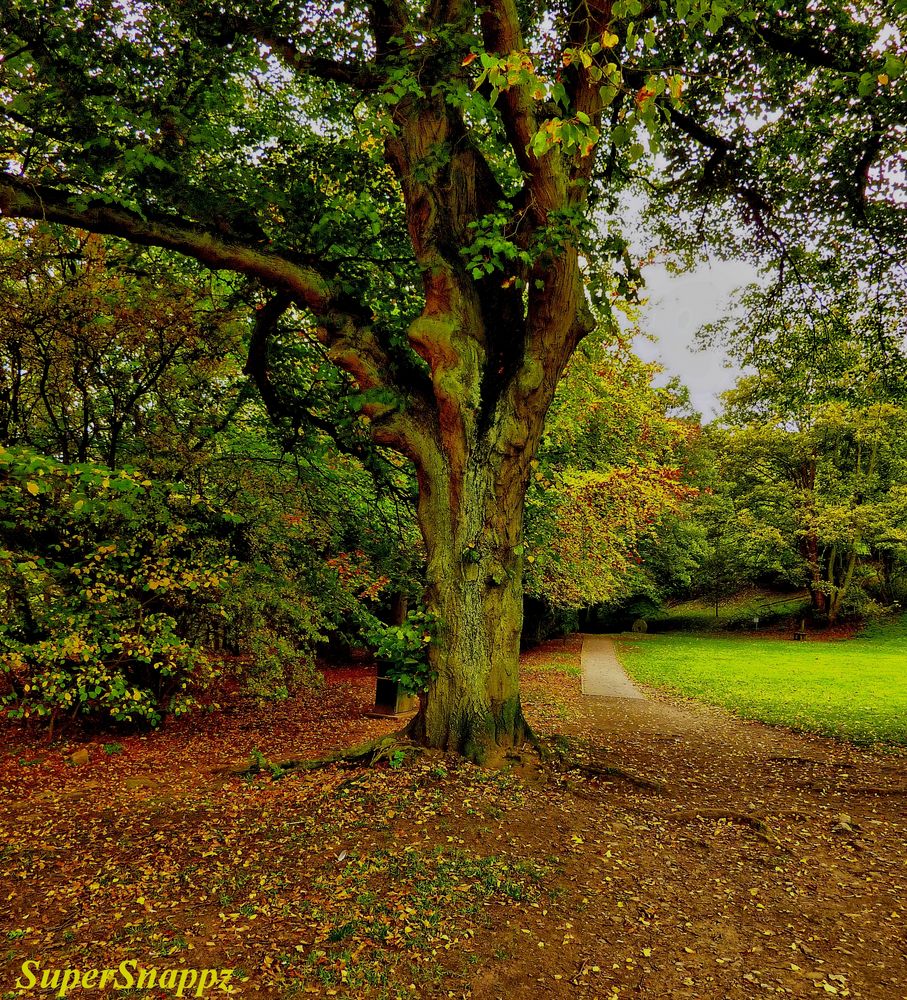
(98,569)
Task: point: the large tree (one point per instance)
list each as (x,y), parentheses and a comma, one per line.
(431,188)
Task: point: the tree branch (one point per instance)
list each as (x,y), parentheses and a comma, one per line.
(19,198)
(696,131)
(590,18)
(257,367)
(344,325)
(546,182)
(870,150)
(389,19)
(364,76)
(806,49)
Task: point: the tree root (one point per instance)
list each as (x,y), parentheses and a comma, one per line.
(808,762)
(563,757)
(762,830)
(609,771)
(829,789)
(368,753)
(873,790)
(817,786)
(533,740)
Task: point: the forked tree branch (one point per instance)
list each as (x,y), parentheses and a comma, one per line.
(546,181)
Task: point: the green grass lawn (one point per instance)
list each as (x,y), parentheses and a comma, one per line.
(855,689)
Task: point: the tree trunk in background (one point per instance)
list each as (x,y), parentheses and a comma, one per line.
(809,550)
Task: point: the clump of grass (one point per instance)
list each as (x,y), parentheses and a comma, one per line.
(405,906)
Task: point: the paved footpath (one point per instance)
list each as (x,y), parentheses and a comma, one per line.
(603,676)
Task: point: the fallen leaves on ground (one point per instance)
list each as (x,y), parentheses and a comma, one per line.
(438,879)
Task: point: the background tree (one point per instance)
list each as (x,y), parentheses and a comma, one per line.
(610,469)
(813,449)
(110,355)
(297,145)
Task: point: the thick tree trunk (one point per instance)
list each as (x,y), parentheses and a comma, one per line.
(495,347)
(472,525)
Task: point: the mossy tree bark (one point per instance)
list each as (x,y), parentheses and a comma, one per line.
(473,461)
(472,530)
(495,350)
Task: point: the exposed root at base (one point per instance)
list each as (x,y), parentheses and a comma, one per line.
(369,753)
(563,758)
(533,740)
(762,830)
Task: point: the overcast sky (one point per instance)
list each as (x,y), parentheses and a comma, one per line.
(678,304)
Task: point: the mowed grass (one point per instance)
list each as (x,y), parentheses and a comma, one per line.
(854,689)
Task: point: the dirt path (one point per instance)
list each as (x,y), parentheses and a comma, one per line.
(770,863)
(603,676)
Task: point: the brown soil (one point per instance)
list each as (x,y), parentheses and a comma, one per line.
(771,863)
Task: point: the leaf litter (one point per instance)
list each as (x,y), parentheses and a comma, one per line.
(430,877)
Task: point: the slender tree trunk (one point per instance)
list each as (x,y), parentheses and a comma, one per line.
(840,592)
(809,550)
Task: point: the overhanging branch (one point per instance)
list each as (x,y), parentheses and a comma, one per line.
(363,76)
(343,325)
(21,199)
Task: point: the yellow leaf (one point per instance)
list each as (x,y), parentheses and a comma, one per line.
(32,488)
